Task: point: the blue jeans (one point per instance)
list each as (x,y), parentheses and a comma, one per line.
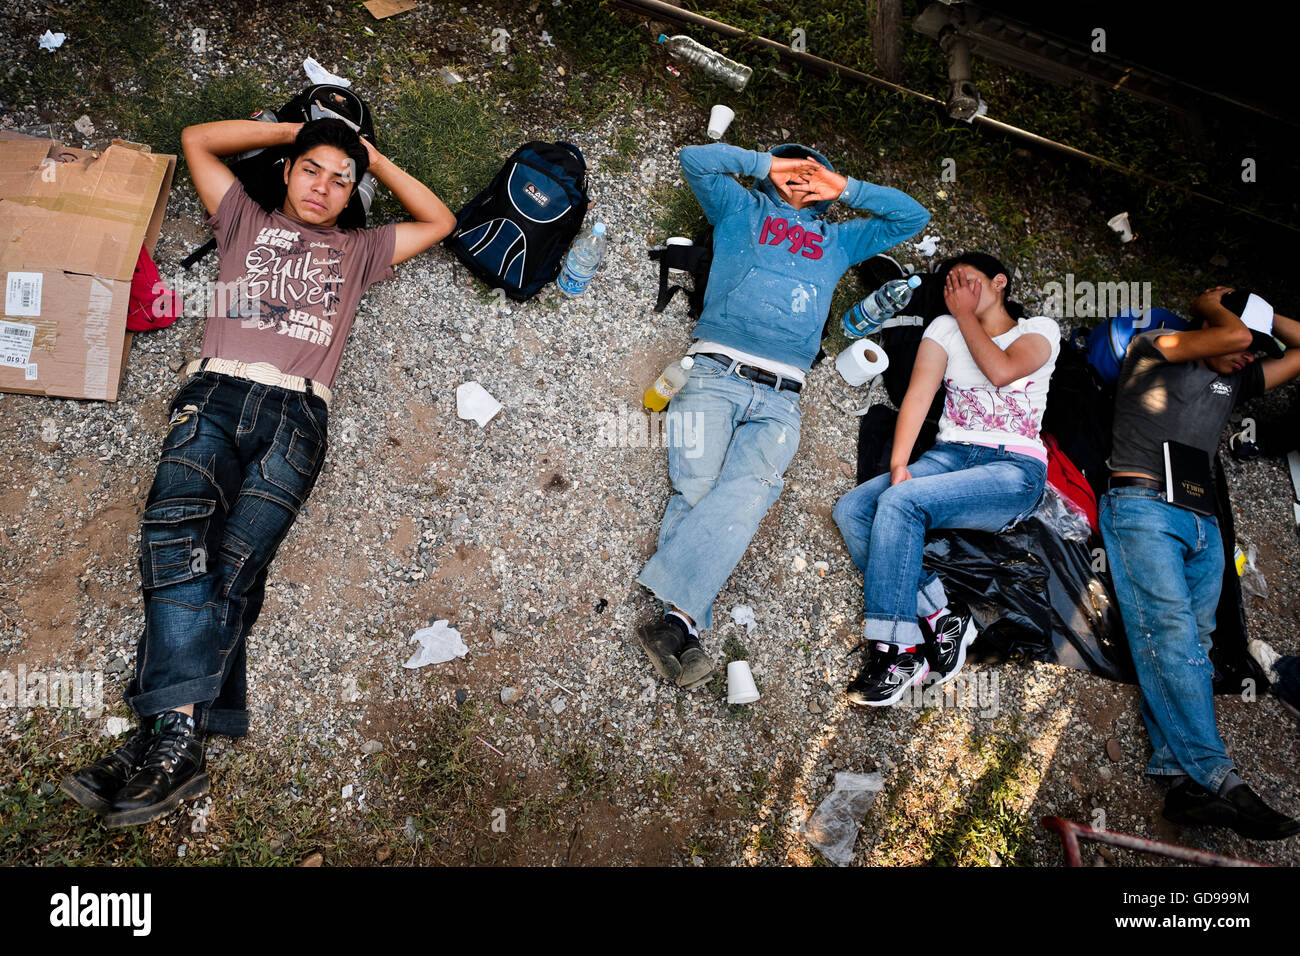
(953,485)
(238,462)
(1167,567)
(726,473)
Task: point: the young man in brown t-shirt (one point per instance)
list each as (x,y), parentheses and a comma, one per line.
(246,440)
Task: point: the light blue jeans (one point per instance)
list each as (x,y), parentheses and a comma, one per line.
(725,478)
(953,485)
(1167,567)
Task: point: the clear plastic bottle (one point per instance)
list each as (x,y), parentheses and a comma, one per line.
(725,71)
(876,309)
(582,261)
(658,395)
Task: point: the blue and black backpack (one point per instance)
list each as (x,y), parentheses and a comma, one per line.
(514,234)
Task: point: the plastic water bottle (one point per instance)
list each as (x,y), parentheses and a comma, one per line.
(582,261)
(883,304)
(669,384)
(728,72)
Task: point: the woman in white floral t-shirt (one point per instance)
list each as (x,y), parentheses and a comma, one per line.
(985,472)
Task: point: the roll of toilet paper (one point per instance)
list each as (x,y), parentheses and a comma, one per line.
(861,362)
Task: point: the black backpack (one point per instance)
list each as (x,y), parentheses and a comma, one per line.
(515,233)
(261,171)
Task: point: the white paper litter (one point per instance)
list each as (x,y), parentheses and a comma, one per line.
(318,74)
(115,726)
(928,246)
(474,402)
(743,615)
(438,644)
(51,41)
(84,126)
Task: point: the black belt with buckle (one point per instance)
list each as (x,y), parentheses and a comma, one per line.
(760,375)
(1134,481)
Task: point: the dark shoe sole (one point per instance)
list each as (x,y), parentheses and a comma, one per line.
(84,795)
(669,669)
(689,681)
(855,698)
(192,789)
(1226,818)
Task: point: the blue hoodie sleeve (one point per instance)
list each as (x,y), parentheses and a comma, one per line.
(709,171)
(896,216)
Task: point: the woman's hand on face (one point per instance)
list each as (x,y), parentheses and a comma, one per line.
(961,297)
(899,473)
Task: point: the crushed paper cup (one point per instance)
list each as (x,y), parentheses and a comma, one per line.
(318,74)
(474,402)
(438,644)
(51,41)
(743,615)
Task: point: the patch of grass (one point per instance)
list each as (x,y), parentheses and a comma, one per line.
(665,784)
(524,80)
(598,37)
(586,773)
(990,826)
(448,137)
(678,213)
(624,146)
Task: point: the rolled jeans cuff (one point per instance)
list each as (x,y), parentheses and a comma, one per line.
(652,580)
(931,598)
(884,629)
(197,691)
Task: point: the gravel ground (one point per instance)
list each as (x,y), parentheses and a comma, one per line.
(527,535)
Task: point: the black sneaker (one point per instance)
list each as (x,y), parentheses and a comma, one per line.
(890,671)
(946,643)
(662,640)
(880,269)
(697,666)
(171,770)
(1241,809)
(94,787)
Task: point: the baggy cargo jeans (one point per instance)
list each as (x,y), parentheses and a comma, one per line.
(237,463)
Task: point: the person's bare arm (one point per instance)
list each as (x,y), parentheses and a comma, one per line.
(927,376)
(1280,371)
(1000,366)
(1222,334)
(206,143)
(433,221)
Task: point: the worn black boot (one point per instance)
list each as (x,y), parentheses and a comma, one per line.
(172,769)
(96,786)
(662,640)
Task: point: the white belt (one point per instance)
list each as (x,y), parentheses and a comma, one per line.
(264,373)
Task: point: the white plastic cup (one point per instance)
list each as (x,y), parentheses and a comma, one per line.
(720,118)
(740,684)
(861,362)
(1121,225)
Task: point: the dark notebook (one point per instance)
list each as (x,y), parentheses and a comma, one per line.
(1187,478)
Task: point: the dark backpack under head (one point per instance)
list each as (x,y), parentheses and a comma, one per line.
(515,233)
(261,171)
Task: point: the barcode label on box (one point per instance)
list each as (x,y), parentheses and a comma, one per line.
(16,344)
(30,372)
(23,294)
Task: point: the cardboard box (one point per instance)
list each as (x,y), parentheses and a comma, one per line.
(72,222)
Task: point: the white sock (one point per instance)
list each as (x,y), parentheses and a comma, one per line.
(690,628)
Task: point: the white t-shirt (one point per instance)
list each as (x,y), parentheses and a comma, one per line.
(976,411)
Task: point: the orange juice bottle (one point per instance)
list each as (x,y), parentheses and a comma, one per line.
(668,384)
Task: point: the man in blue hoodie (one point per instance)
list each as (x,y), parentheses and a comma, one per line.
(776,262)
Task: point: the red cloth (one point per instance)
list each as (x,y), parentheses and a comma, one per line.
(152,305)
(1069,482)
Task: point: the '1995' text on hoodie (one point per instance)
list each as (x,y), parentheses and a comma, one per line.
(775,268)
